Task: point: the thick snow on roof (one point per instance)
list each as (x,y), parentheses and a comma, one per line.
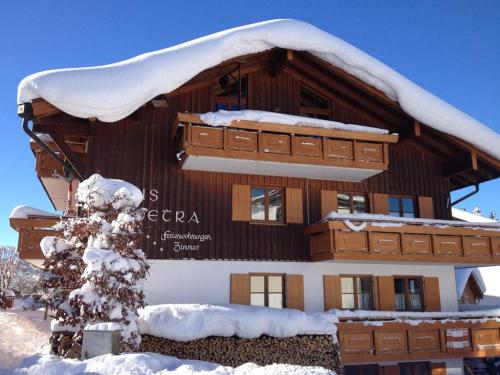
(193,321)
(462,275)
(471,217)
(23,212)
(225,118)
(112,92)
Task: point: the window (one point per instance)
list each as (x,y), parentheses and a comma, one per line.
(267,204)
(351,203)
(417,368)
(267,290)
(361,370)
(408,293)
(402,207)
(356,292)
(313,104)
(226,93)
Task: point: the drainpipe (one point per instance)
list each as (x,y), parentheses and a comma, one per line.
(25,111)
(476,190)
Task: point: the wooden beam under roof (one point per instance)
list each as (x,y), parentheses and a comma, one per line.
(42,108)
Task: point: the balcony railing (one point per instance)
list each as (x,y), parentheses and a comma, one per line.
(348,237)
(428,337)
(31,231)
(285,150)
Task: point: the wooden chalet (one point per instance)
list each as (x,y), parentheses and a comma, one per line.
(240,213)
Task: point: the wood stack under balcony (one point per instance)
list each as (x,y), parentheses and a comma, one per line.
(282,150)
(399,240)
(423,338)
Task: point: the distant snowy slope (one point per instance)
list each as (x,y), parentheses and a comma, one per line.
(112,92)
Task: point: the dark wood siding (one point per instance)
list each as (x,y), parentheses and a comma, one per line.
(139,150)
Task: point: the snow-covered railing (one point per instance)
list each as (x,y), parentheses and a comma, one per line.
(260,139)
(382,237)
(373,336)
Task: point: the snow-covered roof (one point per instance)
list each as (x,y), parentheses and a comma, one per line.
(112,92)
(225,118)
(462,275)
(23,212)
(471,217)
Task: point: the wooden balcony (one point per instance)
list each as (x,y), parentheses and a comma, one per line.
(282,150)
(429,338)
(31,231)
(390,240)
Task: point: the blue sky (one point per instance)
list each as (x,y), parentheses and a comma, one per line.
(451,48)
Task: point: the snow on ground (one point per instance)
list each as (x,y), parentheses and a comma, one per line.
(152,363)
(112,92)
(225,118)
(22,334)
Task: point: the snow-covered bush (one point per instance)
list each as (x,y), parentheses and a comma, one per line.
(95,269)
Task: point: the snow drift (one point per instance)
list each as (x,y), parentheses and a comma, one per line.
(112,92)
(191,322)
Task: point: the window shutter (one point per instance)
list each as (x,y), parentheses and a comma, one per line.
(379,203)
(390,370)
(295,292)
(425,207)
(431,293)
(294,207)
(438,368)
(332,292)
(241,203)
(328,202)
(240,289)
(386,293)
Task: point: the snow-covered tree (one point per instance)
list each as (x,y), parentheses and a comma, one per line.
(115,266)
(476,210)
(493,215)
(95,269)
(8,266)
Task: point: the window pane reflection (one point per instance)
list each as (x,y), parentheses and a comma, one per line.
(258,204)
(275,205)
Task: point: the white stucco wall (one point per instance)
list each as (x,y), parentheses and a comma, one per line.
(191,281)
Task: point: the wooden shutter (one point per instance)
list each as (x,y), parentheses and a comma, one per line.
(426,207)
(379,203)
(240,289)
(431,293)
(385,293)
(294,207)
(390,370)
(332,292)
(438,368)
(328,202)
(295,292)
(241,203)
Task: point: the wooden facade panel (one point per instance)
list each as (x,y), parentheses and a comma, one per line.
(329,202)
(294,206)
(240,289)
(241,203)
(385,243)
(458,341)
(385,293)
(29,242)
(476,246)
(332,292)
(424,341)
(447,245)
(366,151)
(379,203)
(390,341)
(295,292)
(139,149)
(426,207)
(274,143)
(417,244)
(241,140)
(320,244)
(483,339)
(356,342)
(495,246)
(337,149)
(351,242)
(432,294)
(206,137)
(307,146)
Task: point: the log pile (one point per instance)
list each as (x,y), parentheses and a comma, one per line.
(65,344)
(304,350)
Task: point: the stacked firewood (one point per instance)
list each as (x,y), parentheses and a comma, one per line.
(305,350)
